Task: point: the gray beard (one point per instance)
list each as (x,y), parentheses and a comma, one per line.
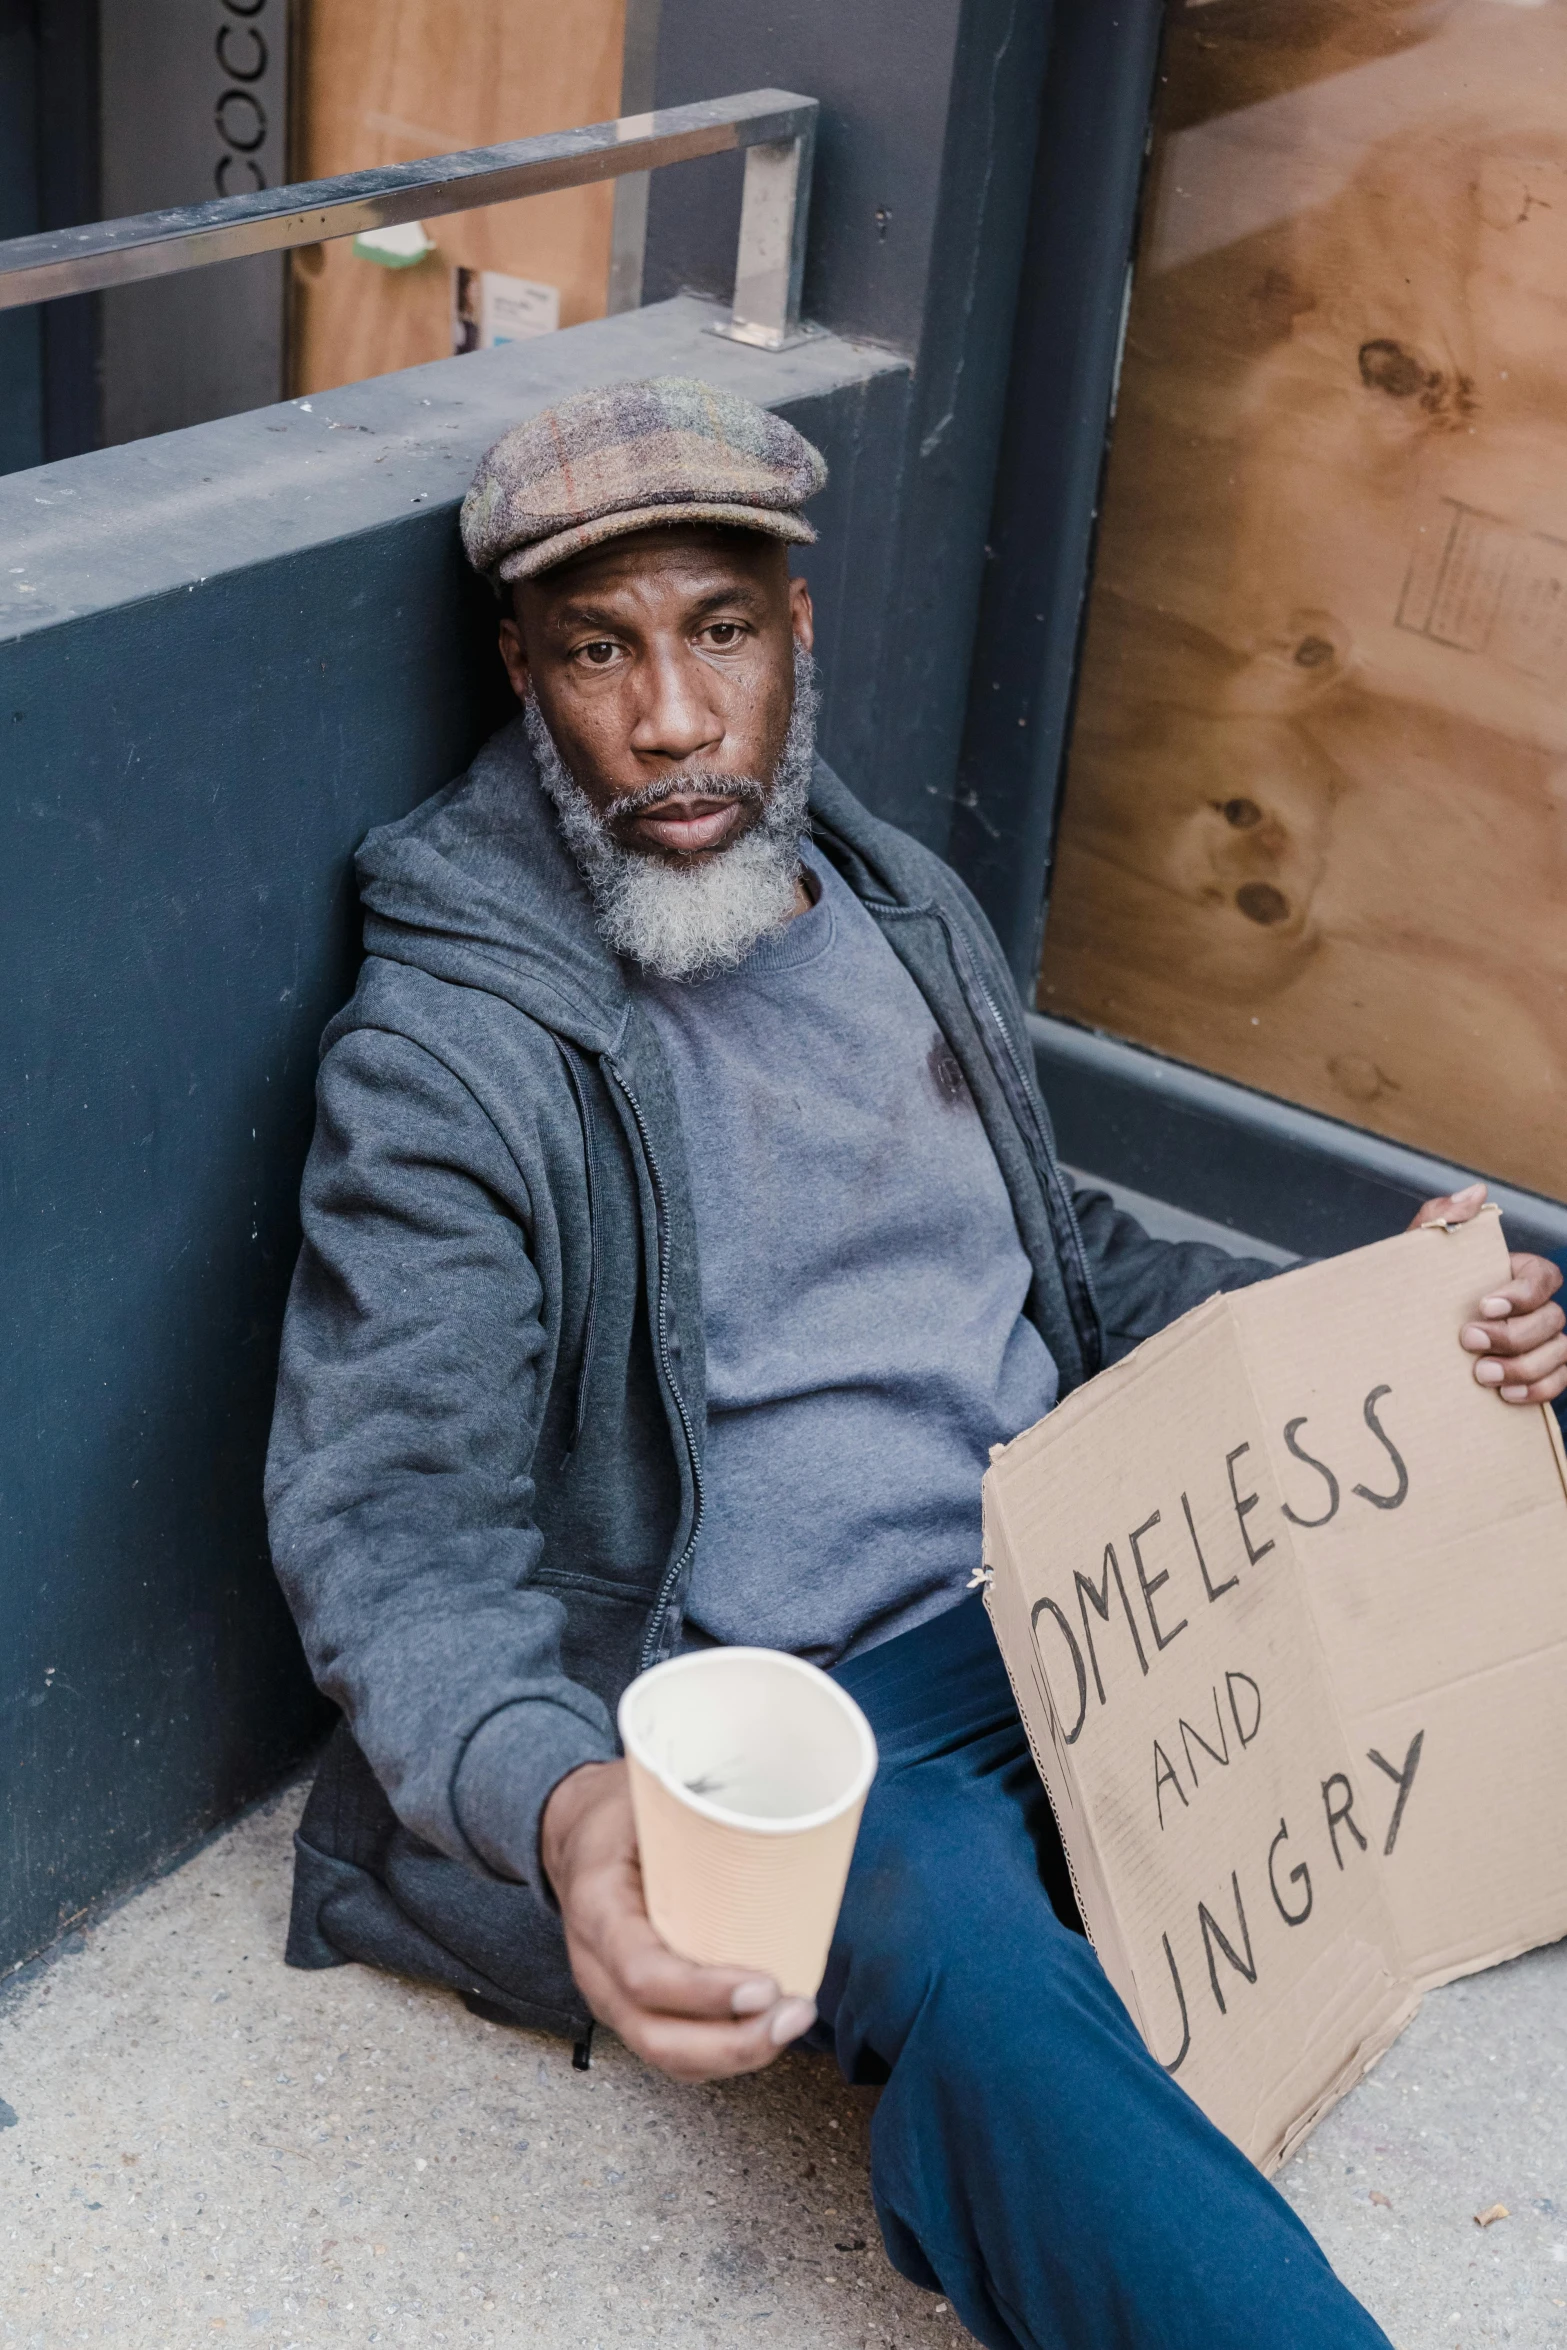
(687,922)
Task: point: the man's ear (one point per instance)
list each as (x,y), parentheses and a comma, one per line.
(515,657)
(802,618)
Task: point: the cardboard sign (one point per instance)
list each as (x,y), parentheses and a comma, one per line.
(1283,1598)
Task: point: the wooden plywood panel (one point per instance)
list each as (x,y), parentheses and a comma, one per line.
(386,81)
(1315,827)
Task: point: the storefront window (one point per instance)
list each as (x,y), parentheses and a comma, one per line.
(1315,824)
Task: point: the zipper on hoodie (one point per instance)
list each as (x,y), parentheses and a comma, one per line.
(1018,1088)
(590,1313)
(673,1573)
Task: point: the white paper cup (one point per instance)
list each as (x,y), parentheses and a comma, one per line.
(749,1771)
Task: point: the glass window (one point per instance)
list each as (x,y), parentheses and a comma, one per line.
(1314,833)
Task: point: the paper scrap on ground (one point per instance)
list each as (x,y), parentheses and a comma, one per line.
(1283,1597)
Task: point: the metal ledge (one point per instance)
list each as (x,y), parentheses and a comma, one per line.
(160,516)
(777,128)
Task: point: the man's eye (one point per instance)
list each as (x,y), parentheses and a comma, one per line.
(599,654)
(724,633)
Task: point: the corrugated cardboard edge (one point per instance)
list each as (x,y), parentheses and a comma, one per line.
(1558,1449)
(1098,1906)
(1369,2053)
(1101,1924)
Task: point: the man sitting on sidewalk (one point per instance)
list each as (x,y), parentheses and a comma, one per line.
(682,1228)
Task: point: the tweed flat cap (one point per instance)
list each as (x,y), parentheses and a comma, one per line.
(607,462)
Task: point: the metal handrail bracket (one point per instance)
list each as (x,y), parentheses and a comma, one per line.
(776,129)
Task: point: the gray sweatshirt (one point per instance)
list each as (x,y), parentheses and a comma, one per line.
(862,1289)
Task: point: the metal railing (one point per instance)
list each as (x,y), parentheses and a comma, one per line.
(776,129)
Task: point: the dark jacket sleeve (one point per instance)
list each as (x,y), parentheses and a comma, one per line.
(1142,1283)
(414,1375)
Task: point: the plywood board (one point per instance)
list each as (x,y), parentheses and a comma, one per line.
(1315,825)
(386,81)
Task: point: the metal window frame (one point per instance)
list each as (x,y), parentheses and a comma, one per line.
(776,129)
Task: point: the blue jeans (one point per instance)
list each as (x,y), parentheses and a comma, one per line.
(1029,2158)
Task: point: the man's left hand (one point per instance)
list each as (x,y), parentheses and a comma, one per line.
(1517,1333)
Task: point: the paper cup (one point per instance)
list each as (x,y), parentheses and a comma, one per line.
(749,1771)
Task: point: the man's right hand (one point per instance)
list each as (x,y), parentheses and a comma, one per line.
(697,2023)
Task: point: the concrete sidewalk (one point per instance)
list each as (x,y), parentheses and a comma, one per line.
(206,2145)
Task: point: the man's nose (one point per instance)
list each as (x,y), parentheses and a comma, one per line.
(677,720)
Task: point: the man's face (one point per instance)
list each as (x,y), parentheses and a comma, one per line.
(662,661)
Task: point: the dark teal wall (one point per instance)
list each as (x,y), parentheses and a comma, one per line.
(183,780)
(224,655)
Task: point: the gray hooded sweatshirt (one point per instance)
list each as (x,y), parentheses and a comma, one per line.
(485,1478)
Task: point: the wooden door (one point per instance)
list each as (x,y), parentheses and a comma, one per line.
(386,81)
